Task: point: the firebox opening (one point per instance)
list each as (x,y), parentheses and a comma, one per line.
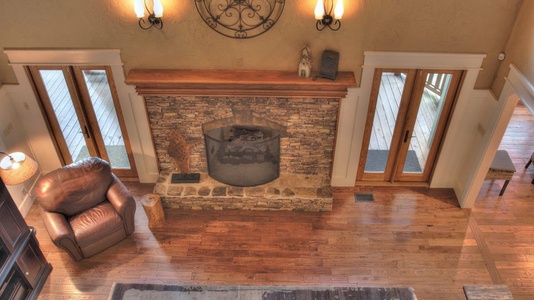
(243,155)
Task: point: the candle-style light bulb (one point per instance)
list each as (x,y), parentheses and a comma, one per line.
(158,9)
(139,7)
(319,10)
(338,10)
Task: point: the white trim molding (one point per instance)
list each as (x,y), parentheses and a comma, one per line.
(415,60)
(522,87)
(27,105)
(64,57)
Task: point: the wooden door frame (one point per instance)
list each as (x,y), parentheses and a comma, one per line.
(441,127)
(408,109)
(406,94)
(84,111)
(49,113)
(93,119)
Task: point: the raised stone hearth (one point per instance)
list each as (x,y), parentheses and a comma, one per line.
(288,192)
(184,100)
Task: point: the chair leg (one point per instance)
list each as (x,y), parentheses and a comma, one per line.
(528,164)
(504,187)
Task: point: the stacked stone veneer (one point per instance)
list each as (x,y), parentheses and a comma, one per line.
(307,148)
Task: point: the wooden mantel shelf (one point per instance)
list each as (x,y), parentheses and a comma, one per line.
(242,83)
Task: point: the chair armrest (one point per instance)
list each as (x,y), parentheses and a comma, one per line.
(123,202)
(61,233)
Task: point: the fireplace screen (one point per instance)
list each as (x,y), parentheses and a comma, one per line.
(243,155)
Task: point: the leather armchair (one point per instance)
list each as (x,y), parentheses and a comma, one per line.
(85,208)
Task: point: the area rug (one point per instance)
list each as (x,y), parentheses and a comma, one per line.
(376,161)
(134,291)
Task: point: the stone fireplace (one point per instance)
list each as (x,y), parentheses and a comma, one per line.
(302,114)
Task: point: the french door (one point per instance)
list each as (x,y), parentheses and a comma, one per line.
(83,111)
(406,121)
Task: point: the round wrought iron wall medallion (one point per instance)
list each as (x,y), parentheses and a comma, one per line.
(240,19)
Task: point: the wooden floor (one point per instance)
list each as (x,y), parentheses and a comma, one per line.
(407,237)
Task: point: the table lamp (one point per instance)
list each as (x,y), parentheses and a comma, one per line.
(16,168)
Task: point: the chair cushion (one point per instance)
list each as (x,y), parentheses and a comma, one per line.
(502,162)
(95,224)
(74,188)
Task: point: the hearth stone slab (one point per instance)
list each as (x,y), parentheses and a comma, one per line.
(288,192)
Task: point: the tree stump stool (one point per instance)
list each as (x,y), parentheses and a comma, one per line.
(154,210)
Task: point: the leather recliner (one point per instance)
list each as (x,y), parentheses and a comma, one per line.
(85,208)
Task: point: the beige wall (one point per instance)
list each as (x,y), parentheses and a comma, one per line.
(520,47)
(457,26)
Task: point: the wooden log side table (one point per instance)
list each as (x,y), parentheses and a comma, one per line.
(502,168)
(154,210)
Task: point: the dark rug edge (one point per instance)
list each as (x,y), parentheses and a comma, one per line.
(379,160)
(118,288)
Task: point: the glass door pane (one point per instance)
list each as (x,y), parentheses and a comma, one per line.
(384,122)
(431,105)
(65,112)
(99,92)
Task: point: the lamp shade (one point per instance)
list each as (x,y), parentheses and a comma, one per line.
(17,168)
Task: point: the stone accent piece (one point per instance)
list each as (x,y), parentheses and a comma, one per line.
(288,192)
(204,191)
(219,191)
(235,191)
(190,191)
(272,192)
(175,190)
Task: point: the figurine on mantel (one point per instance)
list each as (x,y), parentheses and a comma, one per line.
(305,64)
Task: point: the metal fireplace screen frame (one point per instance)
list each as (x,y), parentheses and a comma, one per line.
(243,162)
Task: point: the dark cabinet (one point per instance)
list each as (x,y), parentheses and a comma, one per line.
(24,268)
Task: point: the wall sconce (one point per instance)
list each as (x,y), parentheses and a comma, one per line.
(16,168)
(323,14)
(154,16)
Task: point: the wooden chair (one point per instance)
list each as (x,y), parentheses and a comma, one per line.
(529,162)
(502,168)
